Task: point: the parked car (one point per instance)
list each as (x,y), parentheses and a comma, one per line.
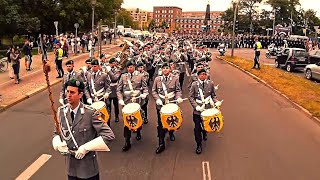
(312,71)
(314,57)
(291,59)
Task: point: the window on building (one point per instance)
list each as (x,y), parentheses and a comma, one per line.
(197,20)
(193,26)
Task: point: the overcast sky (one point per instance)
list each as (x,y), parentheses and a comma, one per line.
(200,5)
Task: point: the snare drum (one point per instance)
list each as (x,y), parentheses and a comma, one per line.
(171,117)
(132,116)
(100,106)
(212,120)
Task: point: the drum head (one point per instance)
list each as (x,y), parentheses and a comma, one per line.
(98,105)
(169,108)
(210,112)
(131,108)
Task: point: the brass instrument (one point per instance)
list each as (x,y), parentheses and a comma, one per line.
(122,56)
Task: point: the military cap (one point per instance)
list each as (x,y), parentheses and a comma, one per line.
(70,62)
(199,64)
(170,61)
(112,60)
(140,64)
(165,64)
(94,62)
(102,56)
(75,83)
(88,61)
(129,63)
(201,71)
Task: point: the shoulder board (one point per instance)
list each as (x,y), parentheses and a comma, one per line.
(88,107)
(62,107)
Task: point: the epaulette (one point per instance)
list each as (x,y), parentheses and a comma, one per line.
(88,107)
(63,106)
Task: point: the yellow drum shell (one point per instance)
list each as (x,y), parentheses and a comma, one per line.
(171,116)
(132,116)
(100,106)
(212,120)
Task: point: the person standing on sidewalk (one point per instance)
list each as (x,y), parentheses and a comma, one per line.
(15,60)
(58,60)
(257,48)
(11,74)
(28,55)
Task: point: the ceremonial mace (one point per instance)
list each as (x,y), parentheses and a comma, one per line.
(46,70)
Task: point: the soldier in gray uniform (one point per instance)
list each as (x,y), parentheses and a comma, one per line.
(165,88)
(80,125)
(144,106)
(98,84)
(131,85)
(205,88)
(182,66)
(173,68)
(70,75)
(113,74)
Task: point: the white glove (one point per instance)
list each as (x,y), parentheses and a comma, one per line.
(216,87)
(218,103)
(59,145)
(89,101)
(143,96)
(105,96)
(81,152)
(61,101)
(179,100)
(108,69)
(200,109)
(159,102)
(121,102)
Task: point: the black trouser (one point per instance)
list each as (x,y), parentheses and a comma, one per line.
(198,128)
(144,108)
(30,61)
(116,106)
(161,131)
(59,68)
(96,177)
(256,59)
(181,79)
(127,133)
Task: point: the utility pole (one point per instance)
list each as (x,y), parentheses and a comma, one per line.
(274,21)
(93,3)
(99,37)
(234,25)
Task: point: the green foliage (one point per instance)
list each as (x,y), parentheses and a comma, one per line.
(124,18)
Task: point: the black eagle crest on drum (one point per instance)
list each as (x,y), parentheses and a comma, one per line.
(214,123)
(132,121)
(172,121)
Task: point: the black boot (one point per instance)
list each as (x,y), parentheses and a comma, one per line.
(138,137)
(117,119)
(126,146)
(160,148)
(172,137)
(199,148)
(145,121)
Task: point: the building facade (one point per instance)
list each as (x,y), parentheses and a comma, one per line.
(140,16)
(166,14)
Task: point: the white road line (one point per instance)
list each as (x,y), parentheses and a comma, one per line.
(34,167)
(206,170)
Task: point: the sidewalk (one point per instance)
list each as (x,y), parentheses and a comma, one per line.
(34,81)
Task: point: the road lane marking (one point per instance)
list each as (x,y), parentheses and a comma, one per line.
(206,170)
(34,167)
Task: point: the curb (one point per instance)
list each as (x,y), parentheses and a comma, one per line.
(26,96)
(297,106)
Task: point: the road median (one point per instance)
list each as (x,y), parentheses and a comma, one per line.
(302,93)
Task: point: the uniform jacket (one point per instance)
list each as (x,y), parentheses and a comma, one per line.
(85,127)
(114,76)
(194,77)
(100,85)
(139,86)
(172,86)
(194,94)
(66,78)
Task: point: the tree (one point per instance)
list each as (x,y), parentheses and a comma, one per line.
(248,8)
(124,18)
(152,25)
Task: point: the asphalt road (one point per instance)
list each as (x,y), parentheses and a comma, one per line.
(264,137)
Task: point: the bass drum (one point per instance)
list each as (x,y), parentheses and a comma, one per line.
(100,106)
(171,116)
(212,120)
(132,116)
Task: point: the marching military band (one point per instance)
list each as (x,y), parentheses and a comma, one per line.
(158,63)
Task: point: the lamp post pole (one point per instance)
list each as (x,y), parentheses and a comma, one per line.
(234,26)
(93,3)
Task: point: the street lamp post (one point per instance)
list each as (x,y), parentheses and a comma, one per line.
(93,3)
(76,25)
(235,3)
(115,28)
(274,21)
(56,26)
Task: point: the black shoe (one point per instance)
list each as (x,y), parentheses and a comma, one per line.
(199,149)
(172,137)
(160,149)
(204,136)
(58,77)
(145,121)
(138,137)
(117,119)
(126,146)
